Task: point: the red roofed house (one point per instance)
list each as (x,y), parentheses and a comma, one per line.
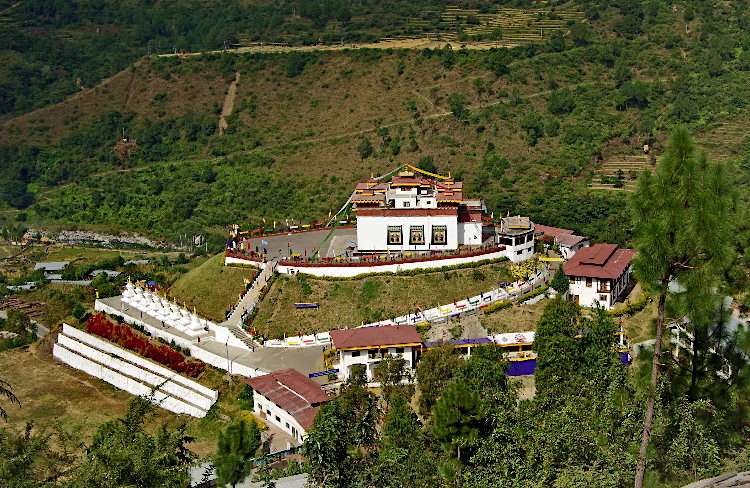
(565,239)
(599,274)
(414,213)
(369,345)
(287,399)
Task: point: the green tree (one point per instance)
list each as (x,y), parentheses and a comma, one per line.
(124,454)
(434,370)
(458,419)
(457,102)
(394,378)
(557,348)
(235,448)
(672,210)
(326,447)
(364,148)
(560,282)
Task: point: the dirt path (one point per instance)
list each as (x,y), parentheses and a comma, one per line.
(226,109)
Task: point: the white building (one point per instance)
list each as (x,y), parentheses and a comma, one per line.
(599,274)
(287,399)
(566,240)
(517,235)
(369,345)
(414,213)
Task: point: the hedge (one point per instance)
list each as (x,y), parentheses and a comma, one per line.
(632,308)
(533,294)
(499,305)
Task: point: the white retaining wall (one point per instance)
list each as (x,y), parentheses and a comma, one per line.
(233,260)
(132,373)
(351,271)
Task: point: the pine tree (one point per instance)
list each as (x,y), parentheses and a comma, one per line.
(5,391)
(234,450)
(458,419)
(682,226)
(560,282)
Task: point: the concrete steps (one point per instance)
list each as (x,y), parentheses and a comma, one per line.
(240,334)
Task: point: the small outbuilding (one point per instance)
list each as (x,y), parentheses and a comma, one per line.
(288,399)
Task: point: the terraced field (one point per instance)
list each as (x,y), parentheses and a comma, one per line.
(622,167)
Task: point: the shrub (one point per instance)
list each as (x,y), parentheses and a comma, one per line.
(499,305)
(128,338)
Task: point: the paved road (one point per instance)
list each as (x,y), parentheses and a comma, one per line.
(41,330)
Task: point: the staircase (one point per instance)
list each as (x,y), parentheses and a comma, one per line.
(248,302)
(628,167)
(240,334)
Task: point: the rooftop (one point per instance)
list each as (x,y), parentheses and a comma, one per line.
(51,265)
(366,337)
(293,392)
(599,261)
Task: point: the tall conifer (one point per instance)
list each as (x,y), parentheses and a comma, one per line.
(682,224)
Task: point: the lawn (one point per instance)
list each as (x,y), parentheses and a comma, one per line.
(349,303)
(518,318)
(211,287)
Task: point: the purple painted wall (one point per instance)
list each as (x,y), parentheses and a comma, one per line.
(522,368)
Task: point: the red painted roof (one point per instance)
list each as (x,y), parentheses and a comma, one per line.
(375,337)
(599,261)
(546,230)
(569,240)
(293,392)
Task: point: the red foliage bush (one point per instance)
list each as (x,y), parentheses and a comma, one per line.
(129,339)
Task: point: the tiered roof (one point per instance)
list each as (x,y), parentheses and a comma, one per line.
(448,192)
(599,261)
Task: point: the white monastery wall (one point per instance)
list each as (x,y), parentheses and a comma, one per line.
(372,232)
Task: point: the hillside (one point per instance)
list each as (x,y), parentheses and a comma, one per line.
(528,128)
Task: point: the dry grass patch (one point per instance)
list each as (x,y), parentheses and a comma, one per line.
(348,303)
(211,287)
(518,318)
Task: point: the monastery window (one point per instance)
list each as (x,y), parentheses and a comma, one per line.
(440,234)
(394,234)
(278,419)
(519,252)
(416,234)
(589,282)
(287,425)
(508,241)
(355,354)
(603,298)
(399,350)
(407,204)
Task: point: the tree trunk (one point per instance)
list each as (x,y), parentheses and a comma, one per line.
(648,419)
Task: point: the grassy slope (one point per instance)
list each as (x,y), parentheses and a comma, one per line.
(348,303)
(211,287)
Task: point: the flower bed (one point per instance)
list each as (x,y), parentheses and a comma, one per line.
(123,335)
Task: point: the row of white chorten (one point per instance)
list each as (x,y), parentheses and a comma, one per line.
(162,309)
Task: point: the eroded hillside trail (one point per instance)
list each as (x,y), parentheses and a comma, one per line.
(226,109)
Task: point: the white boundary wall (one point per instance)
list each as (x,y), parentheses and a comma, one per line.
(132,373)
(351,271)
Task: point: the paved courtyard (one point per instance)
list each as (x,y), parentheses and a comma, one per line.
(305,243)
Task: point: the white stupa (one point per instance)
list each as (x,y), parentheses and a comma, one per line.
(184,319)
(128,294)
(173,319)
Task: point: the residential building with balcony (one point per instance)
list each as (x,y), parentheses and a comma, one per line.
(599,275)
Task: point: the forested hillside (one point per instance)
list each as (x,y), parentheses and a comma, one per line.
(527,128)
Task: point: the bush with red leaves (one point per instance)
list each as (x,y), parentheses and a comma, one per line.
(129,339)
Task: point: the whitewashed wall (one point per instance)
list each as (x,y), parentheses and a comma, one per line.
(351,271)
(372,232)
(272,410)
(132,373)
